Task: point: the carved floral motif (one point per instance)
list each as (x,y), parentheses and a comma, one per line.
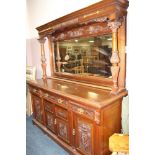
(97,117)
(38,109)
(75,33)
(114,25)
(83,111)
(41,40)
(50,121)
(63,130)
(85,137)
(102,19)
(92,29)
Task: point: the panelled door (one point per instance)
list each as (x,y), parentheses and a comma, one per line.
(84,135)
(37,108)
(62,123)
(50,115)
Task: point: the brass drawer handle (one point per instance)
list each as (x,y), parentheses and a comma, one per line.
(60,100)
(46,95)
(34,90)
(80,110)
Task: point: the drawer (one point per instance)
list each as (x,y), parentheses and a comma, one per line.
(35,90)
(50,97)
(61,112)
(56,99)
(49,106)
(89,113)
(62,102)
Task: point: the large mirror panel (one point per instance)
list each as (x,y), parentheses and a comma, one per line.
(85,56)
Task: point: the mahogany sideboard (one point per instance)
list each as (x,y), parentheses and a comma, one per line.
(79,104)
(80,118)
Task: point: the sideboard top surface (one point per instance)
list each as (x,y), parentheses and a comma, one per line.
(92,96)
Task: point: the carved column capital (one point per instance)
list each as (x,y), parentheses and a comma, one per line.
(101,19)
(114,25)
(41,40)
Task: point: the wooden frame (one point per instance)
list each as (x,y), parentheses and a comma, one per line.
(108,16)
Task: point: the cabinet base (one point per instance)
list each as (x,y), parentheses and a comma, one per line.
(68,148)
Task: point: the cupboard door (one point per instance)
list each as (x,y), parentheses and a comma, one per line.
(50,121)
(84,135)
(63,130)
(37,108)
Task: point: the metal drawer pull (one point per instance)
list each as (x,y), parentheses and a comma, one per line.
(34,90)
(46,95)
(60,100)
(80,110)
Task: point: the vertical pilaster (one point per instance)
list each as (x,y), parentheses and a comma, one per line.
(114,25)
(43,59)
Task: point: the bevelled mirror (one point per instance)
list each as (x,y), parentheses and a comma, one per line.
(85,56)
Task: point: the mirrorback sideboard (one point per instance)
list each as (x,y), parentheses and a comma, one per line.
(79,105)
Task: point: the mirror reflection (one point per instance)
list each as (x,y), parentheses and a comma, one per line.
(85,56)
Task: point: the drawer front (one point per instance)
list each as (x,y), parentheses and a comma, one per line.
(56,99)
(61,112)
(82,111)
(35,90)
(62,102)
(49,106)
(50,97)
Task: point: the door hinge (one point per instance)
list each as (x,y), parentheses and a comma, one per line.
(55,121)
(73,132)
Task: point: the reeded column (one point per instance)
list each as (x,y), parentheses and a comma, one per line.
(43,59)
(114,58)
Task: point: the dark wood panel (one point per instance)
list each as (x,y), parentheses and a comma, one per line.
(63,130)
(84,135)
(50,121)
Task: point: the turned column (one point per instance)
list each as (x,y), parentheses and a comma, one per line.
(114,25)
(43,59)
(58,58)
(52,56)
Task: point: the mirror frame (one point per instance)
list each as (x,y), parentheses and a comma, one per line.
(106,82)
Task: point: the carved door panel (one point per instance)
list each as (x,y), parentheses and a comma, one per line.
(63,130)
(37,108)
(50,121)
(84,135)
